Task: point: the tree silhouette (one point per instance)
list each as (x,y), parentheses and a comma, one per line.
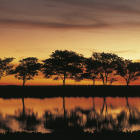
(105,64)
(27,69)
(111,80)
(63,64)
(91,69)
(64,107)
(28,121)
(128,70)
(5,66)
(23,112)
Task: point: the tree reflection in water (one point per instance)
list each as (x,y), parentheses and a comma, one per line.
(92,120)
(128,117)
(68,122)
(4,123)
(99,121)
(27,120)
(76,119)
(104,121)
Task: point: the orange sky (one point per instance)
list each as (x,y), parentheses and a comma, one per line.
(37,28)
(40,80)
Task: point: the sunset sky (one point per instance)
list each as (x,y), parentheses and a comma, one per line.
(36,28)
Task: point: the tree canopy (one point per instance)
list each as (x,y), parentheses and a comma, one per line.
(69,64)
(128,70)
(5,66)
(91,70)
(105,64)
(27,69)
(62,65)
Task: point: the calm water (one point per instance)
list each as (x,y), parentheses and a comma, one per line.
(85,114)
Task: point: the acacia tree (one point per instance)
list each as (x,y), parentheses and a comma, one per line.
(62,65)
(106,64)
(128,70)
(111,80)
(27,69)
(5,66)
(91,69)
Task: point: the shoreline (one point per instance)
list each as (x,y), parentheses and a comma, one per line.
(71,135)
(9,91)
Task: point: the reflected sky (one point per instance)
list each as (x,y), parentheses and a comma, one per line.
(109,113)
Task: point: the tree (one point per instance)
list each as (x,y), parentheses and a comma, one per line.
(91,69)
(106,64)
(128,70)
(5,66)
(111,80)
(27,69)
(63,64)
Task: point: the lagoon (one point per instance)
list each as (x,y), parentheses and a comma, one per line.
(79,113)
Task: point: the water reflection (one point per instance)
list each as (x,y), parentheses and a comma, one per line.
(77,114)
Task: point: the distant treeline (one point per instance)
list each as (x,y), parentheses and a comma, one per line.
(69,64)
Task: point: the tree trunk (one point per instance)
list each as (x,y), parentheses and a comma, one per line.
(106,80)
(64,107)
(23,83)
(63,82)
(0,74)
(93,81)
(103,81)
(64,123)
(93,104)
(23,106)
(127,101)
(23,98)
(104,105)
(64,96)
(127,83)
(102,78)
(64,79)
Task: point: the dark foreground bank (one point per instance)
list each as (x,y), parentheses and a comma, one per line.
(68,91)
(106,135)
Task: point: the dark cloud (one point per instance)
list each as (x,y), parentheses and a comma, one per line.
(127,6)
(50,25)
(70,13)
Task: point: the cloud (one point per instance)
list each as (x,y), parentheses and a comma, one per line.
(117,6)
(121,51)
(136,60)
(70,13)
(125,51)
(49,25)
(94,50)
